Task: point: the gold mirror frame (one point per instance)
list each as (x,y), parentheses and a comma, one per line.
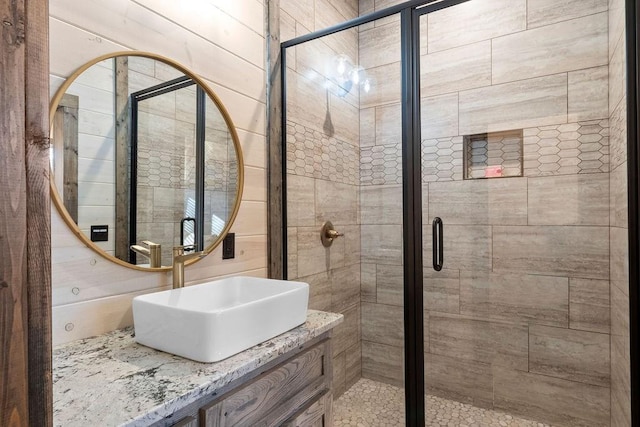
(58,202)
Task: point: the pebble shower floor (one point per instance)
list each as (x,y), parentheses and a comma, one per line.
(369,403)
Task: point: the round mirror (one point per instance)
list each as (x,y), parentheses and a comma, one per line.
(144,158)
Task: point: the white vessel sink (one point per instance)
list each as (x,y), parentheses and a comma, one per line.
(212,321)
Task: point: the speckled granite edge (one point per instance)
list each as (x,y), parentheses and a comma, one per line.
(112,380)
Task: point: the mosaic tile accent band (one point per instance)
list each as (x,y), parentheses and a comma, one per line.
(442,159)
(313,154)
(381,164)
(571,148)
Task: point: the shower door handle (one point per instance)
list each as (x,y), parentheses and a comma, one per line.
(438,247)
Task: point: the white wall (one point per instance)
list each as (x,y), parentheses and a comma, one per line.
(224,43)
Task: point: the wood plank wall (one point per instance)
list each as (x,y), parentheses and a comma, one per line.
(25,251)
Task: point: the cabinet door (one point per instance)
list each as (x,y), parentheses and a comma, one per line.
(316,414)
(275,395)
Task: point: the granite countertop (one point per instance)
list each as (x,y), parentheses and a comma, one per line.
(111,380)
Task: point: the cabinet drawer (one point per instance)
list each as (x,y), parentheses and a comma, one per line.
(273,396)
(316,413)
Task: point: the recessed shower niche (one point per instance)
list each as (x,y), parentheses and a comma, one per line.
(493,154)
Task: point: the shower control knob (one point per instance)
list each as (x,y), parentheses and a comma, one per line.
(328,234)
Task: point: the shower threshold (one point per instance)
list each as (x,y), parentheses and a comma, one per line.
(371,404)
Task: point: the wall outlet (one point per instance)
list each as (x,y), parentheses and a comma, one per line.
(229,246)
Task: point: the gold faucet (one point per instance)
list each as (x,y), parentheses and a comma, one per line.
(179,258)
(154,253)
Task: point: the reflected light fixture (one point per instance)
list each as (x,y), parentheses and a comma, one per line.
(346,75)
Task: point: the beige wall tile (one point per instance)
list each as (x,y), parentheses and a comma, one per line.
(385,86)
(381,204)
(496,343)
(336,202)
(616,23)
(382,363)
(618,130)
(388,124)
(577,251)
(588,94)
(466,247)
(551,400)
(515,297)
(569,200)
(620,359)
(313,258)
(589,305)
(339,375)
(346,120)
(490,201)
(380,45)
(619,294)
(352,253)
(439,116)
(353,369)
(347,8)
(617,74)
(292,252)
(368,283)
(383,324)
(345,287)
(300,201)
(534,102)
(301,11)
(618,197)
(367,127)
(347,334)
(461,380)
(381,244)
(619,254)
(319,291)
(472,22)
(302,101)
(573,355)
(565,46)
(390,284)
(456,69)
(545,12)
(441,290)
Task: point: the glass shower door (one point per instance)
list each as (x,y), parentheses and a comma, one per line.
(516,185)
(344,166)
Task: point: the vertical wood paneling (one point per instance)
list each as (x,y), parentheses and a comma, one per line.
(276,251)
(38,212)
(25,268)
(13,221)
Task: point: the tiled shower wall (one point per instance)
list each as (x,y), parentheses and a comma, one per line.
(618,233)
(323,174)
(519,318)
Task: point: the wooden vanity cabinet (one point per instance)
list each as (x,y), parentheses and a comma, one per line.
(293,391)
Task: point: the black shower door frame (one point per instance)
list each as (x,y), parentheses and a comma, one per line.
(410,13)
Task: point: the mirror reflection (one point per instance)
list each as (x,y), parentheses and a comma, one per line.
(144,158)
